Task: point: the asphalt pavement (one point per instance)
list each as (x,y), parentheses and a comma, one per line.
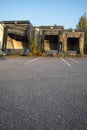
(43,93)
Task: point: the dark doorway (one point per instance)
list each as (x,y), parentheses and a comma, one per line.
(53,41)
(73,44)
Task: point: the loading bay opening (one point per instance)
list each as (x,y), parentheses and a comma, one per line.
(73,44)
(22,39)
(53,41)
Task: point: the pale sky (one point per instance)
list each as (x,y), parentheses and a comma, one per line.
(44,12)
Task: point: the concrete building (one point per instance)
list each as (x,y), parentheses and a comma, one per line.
(56,39)
(18,36)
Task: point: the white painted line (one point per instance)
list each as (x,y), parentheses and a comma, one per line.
(74,60)
(65,61)
(32,60)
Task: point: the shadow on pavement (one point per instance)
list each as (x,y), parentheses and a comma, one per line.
(2,58)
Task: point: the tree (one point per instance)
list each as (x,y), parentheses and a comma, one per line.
(82,26)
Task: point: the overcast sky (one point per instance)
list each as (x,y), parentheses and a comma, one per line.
(44,12)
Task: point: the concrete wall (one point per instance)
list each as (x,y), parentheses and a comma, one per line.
(73,34)
(81,44)
(1,35)
(46,45)
(13,44)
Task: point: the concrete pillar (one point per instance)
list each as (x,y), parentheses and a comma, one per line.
(81,45)
(1,36)
(64,44)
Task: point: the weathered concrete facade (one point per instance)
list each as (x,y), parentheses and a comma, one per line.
(73,42)
(20,35)
(55,39)
(1,36)
(16,36)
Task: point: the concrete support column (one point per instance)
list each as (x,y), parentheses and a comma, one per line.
(81,45)
(64,44)
(1,35)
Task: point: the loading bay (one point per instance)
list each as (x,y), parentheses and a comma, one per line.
(43,93)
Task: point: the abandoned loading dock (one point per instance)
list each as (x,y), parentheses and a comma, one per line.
(61,41)
(16,36)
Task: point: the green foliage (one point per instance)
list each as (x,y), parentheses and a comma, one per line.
(82,25)
(35,48)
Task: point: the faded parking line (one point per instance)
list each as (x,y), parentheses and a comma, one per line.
(65,61)
(32,60)
(74,60)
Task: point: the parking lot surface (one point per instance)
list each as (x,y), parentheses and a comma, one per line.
(43,93)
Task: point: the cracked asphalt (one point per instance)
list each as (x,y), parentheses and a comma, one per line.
(43,93)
